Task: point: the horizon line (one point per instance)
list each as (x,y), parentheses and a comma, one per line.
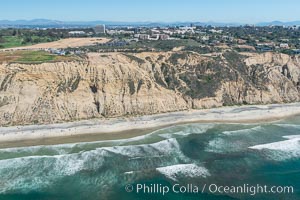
(149,21)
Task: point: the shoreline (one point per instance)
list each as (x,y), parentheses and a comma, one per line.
(122,128)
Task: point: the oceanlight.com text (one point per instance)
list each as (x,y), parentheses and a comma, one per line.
(208,188)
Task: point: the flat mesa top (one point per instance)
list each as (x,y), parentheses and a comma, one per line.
(65,43)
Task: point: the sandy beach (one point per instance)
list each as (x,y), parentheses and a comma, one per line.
(117,128)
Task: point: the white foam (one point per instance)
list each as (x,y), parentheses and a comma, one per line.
(166,135)
(43,170)
(62,149)
(185,130)
(287,145)
(289,125)
(130,172)
(281,150)
(183,170)
(217,145)
(34,150)
(223,145)
(291,136)
(243,131)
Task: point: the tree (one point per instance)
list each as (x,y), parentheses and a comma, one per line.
(14,33)
(1,39)
(27,39)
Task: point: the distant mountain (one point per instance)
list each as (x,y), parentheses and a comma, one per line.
(44,22)
(57,23)
(30,22)
(279,23)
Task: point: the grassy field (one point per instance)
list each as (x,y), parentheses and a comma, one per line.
(32,57)
(15,41)
(11,41)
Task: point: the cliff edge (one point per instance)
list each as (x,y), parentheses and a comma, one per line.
(125,84)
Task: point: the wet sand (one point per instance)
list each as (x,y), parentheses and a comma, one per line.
(122,128)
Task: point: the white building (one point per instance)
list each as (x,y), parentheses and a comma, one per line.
(99,29)
(284,45)
(73,33)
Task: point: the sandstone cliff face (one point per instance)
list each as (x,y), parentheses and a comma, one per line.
(116,84)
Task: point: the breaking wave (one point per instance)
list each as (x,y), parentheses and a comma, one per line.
(61,149)
(244,131)
(288,125)
(183,171)
(233,141)
(282,150)
(184,130)
(38,172)
(176,153)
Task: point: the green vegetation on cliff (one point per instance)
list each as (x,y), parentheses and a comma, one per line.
(29,57)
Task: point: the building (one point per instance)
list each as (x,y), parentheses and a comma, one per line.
(164,37)
(77,33)
(204,38)
(144,36)
(56,51)
(119,32)
(99,29)
(284,45)
(136,30)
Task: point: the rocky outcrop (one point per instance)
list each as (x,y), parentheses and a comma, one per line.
(116,84)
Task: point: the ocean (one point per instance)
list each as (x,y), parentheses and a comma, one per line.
(191,161)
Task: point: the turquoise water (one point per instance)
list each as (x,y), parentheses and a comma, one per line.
(196,154)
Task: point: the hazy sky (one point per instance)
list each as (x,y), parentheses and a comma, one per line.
(246,11)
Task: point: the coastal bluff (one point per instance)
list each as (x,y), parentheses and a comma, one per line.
(104,85)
